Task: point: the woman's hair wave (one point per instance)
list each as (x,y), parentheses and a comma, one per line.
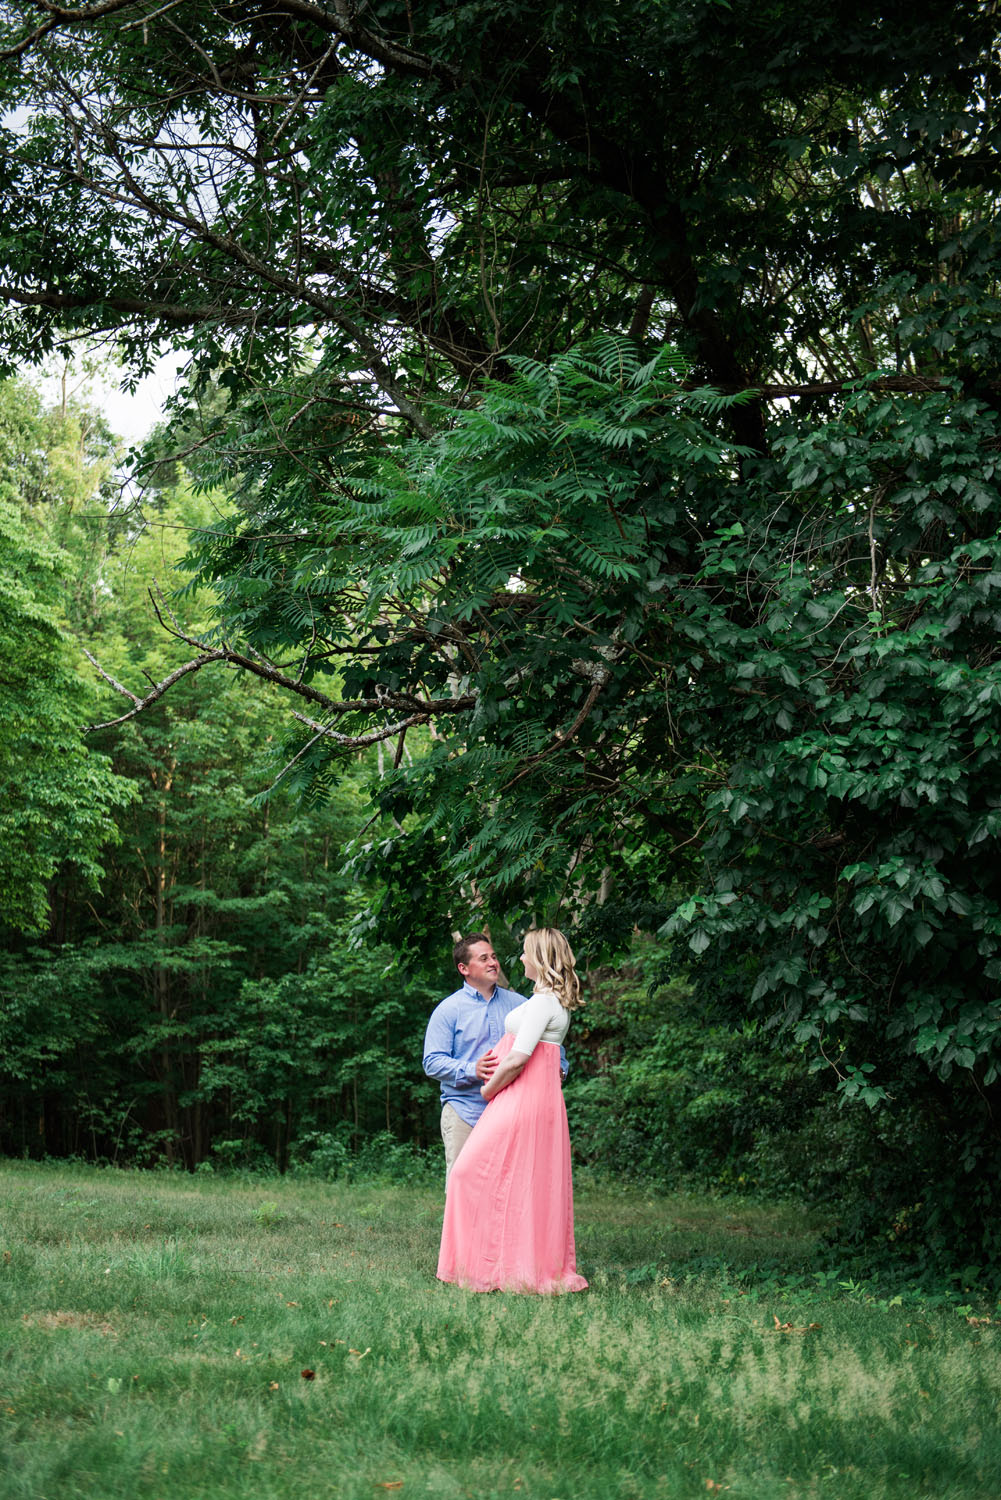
(551,954)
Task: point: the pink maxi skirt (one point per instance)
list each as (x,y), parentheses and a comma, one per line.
(509,1206)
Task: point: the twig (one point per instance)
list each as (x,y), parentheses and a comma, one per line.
(298,755)
(302,93)
(561,737)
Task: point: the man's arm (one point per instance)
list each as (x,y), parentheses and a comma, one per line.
(439,1062)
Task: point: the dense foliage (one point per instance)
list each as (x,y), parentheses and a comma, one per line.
(205,1004)
(56,799)
(607,395)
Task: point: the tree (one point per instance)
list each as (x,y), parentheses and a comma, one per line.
(204,1001)
(648,466)
(414,198)
(57,796)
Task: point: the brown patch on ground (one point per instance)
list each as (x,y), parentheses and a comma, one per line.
(52,1320)
(708,1222)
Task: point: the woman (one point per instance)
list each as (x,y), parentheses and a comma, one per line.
(509,1206)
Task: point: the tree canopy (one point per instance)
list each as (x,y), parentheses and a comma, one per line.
(414,194)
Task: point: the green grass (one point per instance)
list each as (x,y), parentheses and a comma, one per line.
(155,1331)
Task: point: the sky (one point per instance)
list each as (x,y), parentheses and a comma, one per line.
(130,416)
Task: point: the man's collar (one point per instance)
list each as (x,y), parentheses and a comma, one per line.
(476,995)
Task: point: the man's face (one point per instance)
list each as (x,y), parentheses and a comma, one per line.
(481,969)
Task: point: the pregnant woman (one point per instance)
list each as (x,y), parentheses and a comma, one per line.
(509,1206)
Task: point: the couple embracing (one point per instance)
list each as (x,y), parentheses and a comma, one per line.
(499,1059)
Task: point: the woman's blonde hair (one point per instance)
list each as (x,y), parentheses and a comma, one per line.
(548,951)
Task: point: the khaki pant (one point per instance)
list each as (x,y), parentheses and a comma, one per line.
(454,1133)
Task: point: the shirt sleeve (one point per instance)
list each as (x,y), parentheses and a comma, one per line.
(535,1017)
(439,1041)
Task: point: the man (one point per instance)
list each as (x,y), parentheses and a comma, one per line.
(461,1040)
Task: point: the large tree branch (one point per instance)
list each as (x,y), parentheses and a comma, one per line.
(414,708)
(63,15)
(455,342)
(417,710)
(344,21)
(173,313)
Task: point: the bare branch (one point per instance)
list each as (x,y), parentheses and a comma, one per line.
(301,95)
(421,709)
(151,15)
(361,741)
(417,710)
(158,691)
(112,680)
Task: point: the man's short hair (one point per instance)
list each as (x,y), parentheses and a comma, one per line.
(460,953)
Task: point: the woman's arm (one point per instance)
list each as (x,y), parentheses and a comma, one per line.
(506,1072)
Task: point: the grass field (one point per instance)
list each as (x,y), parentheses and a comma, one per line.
(180,1337)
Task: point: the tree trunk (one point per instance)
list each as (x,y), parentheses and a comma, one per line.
(163,781)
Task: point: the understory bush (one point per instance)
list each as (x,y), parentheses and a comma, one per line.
(664,1090)
(329,1155)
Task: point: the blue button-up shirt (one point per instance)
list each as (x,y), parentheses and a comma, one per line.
(461,1029)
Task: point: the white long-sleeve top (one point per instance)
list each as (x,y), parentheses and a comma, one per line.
(540,1019)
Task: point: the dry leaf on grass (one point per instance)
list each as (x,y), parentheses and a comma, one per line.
(792,1328)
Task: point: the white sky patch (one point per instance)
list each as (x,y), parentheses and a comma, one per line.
(131,416)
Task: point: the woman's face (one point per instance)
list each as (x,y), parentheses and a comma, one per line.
(528,966)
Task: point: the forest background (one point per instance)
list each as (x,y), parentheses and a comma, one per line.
(581,505)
